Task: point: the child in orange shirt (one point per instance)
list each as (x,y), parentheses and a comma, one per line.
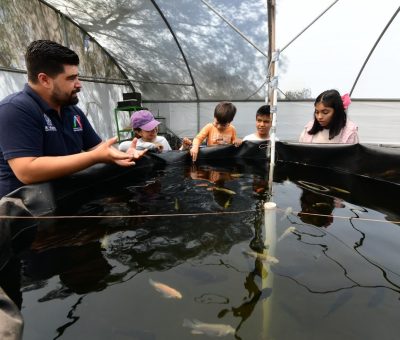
(218,132)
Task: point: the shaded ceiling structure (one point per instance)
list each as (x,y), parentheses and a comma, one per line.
(178,50)
(195,50)
(194,53)
(183,50)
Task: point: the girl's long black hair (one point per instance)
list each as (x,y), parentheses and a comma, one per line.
(332,99)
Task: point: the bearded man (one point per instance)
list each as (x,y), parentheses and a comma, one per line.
(43,134)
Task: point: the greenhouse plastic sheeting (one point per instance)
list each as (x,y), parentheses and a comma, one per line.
(182,50)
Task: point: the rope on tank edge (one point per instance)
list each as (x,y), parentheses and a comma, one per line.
(2,217)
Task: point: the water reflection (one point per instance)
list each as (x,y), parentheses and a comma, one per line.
(90,256)
(10,280)
(215,181)
(341,262)
(81,269)
(317,207)
(259,187)
(324,268)
(82,259)
(253,293)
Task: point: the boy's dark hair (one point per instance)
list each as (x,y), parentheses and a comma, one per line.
(264,110)
(48,57)
(332,99)
(224,112)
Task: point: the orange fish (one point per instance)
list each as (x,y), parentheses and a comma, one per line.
(202,185)
(167,291)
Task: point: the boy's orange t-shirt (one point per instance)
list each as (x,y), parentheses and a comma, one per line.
(214,137)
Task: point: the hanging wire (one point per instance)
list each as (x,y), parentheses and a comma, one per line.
(308,26)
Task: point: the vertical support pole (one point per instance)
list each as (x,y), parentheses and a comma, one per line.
(270,207)
(273,58)
(273,89)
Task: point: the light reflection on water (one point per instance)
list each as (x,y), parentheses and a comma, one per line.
(337,273)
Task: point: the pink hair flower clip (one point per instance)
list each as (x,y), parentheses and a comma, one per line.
(346,101)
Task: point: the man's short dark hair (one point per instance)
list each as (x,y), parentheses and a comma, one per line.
(48,57)
(264,110)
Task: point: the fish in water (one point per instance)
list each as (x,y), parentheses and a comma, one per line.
(322,204)
(353,208)
(287,212)
(227,203)
(201,185)
(343,298)
(211,329)
(259,190)
(167,291)
(263,257)
(104,242)
(340,190)
(230,192)
(286,233)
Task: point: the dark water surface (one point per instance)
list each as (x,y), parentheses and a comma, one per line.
(337,276)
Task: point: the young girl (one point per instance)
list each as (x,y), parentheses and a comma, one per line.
(330,124)
(146,129)
(218,132)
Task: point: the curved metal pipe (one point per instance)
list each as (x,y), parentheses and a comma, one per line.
(62,15)
(178,44)
(373,49)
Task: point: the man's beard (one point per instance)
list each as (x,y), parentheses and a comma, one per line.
(63,99)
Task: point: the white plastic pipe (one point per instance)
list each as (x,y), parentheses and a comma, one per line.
(270,227)
(269,234)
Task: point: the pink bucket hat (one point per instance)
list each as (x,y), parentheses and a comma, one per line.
(144,120)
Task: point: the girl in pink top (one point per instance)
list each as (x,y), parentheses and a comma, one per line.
(330,124)
(218,132)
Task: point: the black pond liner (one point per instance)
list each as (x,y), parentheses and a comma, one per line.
(371,173)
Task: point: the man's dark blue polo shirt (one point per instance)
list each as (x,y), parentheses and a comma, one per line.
(30,128)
